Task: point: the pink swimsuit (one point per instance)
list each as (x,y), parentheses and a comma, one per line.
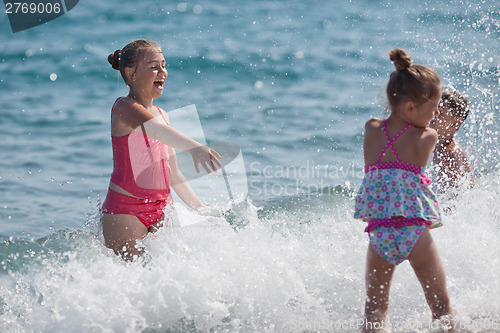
(396,200)
(140,167)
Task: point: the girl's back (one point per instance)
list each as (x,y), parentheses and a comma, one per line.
(414,146)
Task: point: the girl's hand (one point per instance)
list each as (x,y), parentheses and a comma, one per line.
(209,210)
(207,157)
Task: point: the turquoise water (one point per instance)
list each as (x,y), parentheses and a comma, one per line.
(291,83)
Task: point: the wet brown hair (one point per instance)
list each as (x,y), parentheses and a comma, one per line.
(130,55)
(456,104)
(416,83)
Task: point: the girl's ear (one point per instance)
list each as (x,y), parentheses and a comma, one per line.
(408,108)
(130,73)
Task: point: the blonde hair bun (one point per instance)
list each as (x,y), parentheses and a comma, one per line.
(400,59)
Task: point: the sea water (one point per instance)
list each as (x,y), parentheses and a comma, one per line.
(291,83)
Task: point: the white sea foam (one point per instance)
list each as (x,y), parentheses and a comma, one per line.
(292,271)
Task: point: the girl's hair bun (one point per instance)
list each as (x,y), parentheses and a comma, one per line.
(400,59)
(114,59)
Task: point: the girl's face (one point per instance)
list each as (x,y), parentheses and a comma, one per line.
(445,123)
(149,77)
(427,111)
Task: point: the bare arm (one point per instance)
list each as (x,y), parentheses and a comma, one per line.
(371,147)
(429,139)
(129,115)
(462,166)
(202,155)
(180,184)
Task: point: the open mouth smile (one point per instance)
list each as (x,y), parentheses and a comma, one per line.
(159,84)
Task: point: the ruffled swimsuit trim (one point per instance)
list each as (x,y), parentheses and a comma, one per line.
(396,223)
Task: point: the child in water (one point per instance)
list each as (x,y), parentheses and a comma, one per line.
(395,198)
(452,164)
(144,160)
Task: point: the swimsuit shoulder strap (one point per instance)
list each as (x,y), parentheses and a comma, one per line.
(161,112)
(116,100)
(390,142)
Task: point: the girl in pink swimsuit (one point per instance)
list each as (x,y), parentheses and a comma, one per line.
(144,162)
(395,199)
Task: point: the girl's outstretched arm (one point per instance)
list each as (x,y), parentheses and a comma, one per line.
(132,116)
(208,158)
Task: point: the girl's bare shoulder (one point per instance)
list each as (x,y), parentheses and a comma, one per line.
(426,137)
(423,141)
(127,105)
(373,123)
(373,127)
(129,113)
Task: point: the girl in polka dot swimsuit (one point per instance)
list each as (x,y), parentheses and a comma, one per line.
(395,199)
